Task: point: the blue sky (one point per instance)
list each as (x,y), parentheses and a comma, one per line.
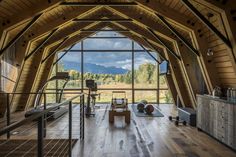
(117,59)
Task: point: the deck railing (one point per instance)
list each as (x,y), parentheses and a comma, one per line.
(41,118)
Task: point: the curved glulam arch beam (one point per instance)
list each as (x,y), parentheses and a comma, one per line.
(170,81)
(227,11)
(159,45)
(147,23)
(208,70)
(23,50)
(64,31)
(44,69)
(25,43)
(140,30)
(181,21)
(35,66)
(30,67)
(177,66)
(175,17)
(159,49)
(57,23)
(14,21)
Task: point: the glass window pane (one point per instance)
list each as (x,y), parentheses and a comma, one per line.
(165,97)
(163,82)
(150,96)
(50,97)
(77,46)
(106,96)
(71,63)
(109,70)
(137,46)
(107,34)
(107,44)
(145,70)
(71,93)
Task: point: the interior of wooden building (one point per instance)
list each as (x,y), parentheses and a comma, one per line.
(109,78)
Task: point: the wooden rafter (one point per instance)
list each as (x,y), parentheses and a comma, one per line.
(150,54)
(104,30)
(164,44)
(179,20)
(41,44)
(68,50)
(98,3)
(103,20)
(54,51)
(24,16)
(21,33)
(148,43)
(177,34)
(207,23)
(148,25)
(62,23)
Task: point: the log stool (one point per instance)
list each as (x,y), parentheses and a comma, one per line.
(113,113)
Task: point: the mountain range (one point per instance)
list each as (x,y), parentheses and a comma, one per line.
(94,68)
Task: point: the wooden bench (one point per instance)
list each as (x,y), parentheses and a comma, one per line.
(113,113)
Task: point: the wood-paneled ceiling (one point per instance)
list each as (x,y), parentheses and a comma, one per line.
(170,27)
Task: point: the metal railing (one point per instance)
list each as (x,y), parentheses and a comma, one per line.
(41,121)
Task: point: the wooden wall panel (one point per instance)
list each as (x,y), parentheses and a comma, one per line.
(222,58)
(9,72)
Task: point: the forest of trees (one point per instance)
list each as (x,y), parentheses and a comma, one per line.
(145,76)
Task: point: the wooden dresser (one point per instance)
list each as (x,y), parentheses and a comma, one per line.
(217,117)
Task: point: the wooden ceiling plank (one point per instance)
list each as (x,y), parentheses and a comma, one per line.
(184,22)
(30,86)
(99,3)
(177,65)
(58,23)
(68,50)
(54,51)
(151,46)
(207,23)
(177,34)
(103,20)
(41,44)
(21,33)
(15,20)
(164,44)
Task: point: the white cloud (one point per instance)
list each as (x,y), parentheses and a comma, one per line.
(120,60)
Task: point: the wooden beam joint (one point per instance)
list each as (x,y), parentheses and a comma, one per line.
(41,44)
(15,39)
(207,23)
(164,44)
(177,34)
(54,51)
(99,3)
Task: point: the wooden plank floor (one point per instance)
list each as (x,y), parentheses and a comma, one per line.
(143,137)
(146,137)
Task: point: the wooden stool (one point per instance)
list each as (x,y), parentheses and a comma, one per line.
(113,113)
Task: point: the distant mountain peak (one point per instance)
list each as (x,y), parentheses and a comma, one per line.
(94,68)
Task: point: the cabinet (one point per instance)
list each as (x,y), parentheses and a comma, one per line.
(217,117)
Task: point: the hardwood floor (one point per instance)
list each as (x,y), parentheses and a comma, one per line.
(143,137)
